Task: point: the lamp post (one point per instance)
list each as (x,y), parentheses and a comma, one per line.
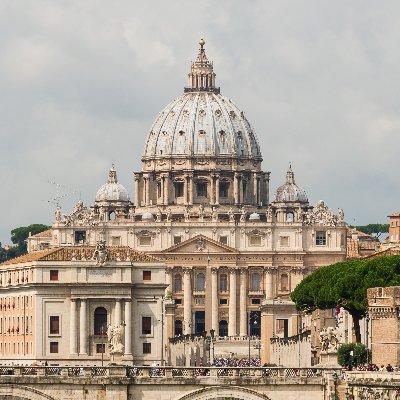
(254,323)
(102,345)
(213,339)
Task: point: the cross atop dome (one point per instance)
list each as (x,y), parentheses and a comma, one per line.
(201,77)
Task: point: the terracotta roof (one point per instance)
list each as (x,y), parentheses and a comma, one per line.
(43,234)
(115,253)
(29,257)
(391,251)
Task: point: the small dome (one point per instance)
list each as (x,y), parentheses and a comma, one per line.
(112,190)
(290,192)
(254,217)
(147,217)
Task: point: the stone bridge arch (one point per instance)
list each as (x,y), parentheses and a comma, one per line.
(224,393)
(19,392)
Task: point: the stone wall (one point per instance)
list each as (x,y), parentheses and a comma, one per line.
(188,350)
(383,308)
(294,351)
(149,383)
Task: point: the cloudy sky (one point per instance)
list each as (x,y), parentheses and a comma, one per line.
(82,81)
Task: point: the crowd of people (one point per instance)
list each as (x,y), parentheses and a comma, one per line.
(374,367)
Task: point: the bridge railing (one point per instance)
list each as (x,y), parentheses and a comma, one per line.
(166,372)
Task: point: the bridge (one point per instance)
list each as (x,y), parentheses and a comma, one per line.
(164,383)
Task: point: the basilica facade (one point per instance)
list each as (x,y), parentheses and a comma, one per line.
(202,208)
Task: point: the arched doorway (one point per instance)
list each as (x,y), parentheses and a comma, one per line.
(225,393)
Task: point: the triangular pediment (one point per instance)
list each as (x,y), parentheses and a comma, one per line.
(200,244)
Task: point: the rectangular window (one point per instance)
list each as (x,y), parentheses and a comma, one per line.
(147,275)
(116,241)
(146,325)
(223,189)
(178,189)
(178,301)
(145,240)
(146,348)
(223,239)
(53,347)
(284,241)
(223,302)
(54,275)
(255,301)
(255,240)
(80,237)
(54,325)
(320,238)
(100,348)
(201,189)
(177,239)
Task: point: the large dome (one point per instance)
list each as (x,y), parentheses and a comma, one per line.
(112,191)
(289,191)
(201,122)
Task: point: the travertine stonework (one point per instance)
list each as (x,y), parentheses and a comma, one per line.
(202,206)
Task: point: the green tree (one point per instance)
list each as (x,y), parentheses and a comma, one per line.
(373,229)
(360,354)
(19,235)
(345,284)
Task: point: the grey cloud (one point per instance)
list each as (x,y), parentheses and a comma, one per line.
(82,81)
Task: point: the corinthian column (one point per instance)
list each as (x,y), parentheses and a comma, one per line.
(148,189)
(269,282)
(128,327)
(72,329)
(117,317)
(255,187)
(137,181)
(217,189)
(83,328)
(191,189)
(236,188)
(187,300)
(214,299)
(243,302)
(232,303)
(166,189)
(168,278)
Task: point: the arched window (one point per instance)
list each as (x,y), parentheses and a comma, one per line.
(100,321)
(284,282)
(178,327)
(289,217)
(223,328)
(223,283)
(200,282)
(112,216)
(178,283)
(255,281)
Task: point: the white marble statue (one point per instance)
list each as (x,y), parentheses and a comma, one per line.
(115,336)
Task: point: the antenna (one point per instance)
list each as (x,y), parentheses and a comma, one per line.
(57,198)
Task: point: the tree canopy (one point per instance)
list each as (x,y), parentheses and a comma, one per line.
(345,284)
(18,237)
(371,229)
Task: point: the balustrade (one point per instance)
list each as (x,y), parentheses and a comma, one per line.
(168,372)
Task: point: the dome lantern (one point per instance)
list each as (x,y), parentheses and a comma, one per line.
(201,77)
